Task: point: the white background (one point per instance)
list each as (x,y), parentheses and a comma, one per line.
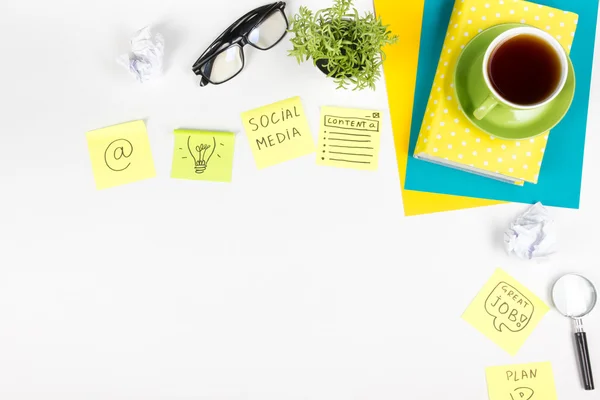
(294,282)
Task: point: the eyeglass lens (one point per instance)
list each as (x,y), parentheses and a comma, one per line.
(229,62)
(224,65)
(269,32)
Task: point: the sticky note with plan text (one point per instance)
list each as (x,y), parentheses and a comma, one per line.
(278,132)
(349,138)
(521,382)
(505,311)
(120,154)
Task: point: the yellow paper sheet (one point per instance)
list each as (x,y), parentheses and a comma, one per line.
(120,154)
(521,382)
(203,155)
(505,311)
(349,138)
(400,68)
(278,132)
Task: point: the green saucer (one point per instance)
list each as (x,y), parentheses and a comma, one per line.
(504,122)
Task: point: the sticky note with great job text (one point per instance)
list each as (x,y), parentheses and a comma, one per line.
(505,311)
(120,154)
(521,382)
(203,155)
(349,138)
(278,132)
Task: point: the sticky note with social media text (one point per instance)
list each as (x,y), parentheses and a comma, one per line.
(505,311)
(278,132)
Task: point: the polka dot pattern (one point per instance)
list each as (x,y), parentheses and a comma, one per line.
(450,135)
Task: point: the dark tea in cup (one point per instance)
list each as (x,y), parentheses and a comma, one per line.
(525,69)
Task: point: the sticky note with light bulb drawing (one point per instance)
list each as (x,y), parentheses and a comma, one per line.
(203,155)
(278,132)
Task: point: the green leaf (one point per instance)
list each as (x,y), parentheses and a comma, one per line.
(351,43)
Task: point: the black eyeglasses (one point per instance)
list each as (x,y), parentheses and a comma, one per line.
(261,28)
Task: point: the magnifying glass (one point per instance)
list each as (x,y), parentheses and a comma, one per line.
(575,297)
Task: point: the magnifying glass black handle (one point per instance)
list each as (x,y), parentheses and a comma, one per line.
(584,360)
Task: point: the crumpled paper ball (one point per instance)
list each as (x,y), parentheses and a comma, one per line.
(145,60)
(532,235)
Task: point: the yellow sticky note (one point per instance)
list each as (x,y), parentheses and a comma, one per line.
(349,138)
(278,132)
(120,154)
(521,382)
(505,311)
(203,155)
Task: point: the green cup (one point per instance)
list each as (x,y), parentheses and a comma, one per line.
(494,98)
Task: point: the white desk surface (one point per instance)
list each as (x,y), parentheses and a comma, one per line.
(294,282)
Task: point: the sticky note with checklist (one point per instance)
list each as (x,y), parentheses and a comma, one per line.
(349,138)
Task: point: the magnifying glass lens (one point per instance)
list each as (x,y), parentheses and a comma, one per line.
(574,296)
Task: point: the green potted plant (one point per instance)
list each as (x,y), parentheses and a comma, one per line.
(341,43)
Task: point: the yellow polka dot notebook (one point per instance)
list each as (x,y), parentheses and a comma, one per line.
(450,139)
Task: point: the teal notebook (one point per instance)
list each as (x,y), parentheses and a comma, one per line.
(560,177)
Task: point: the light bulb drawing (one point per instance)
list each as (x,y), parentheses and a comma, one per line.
(201,152)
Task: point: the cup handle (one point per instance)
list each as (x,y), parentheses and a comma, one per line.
(488,105)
